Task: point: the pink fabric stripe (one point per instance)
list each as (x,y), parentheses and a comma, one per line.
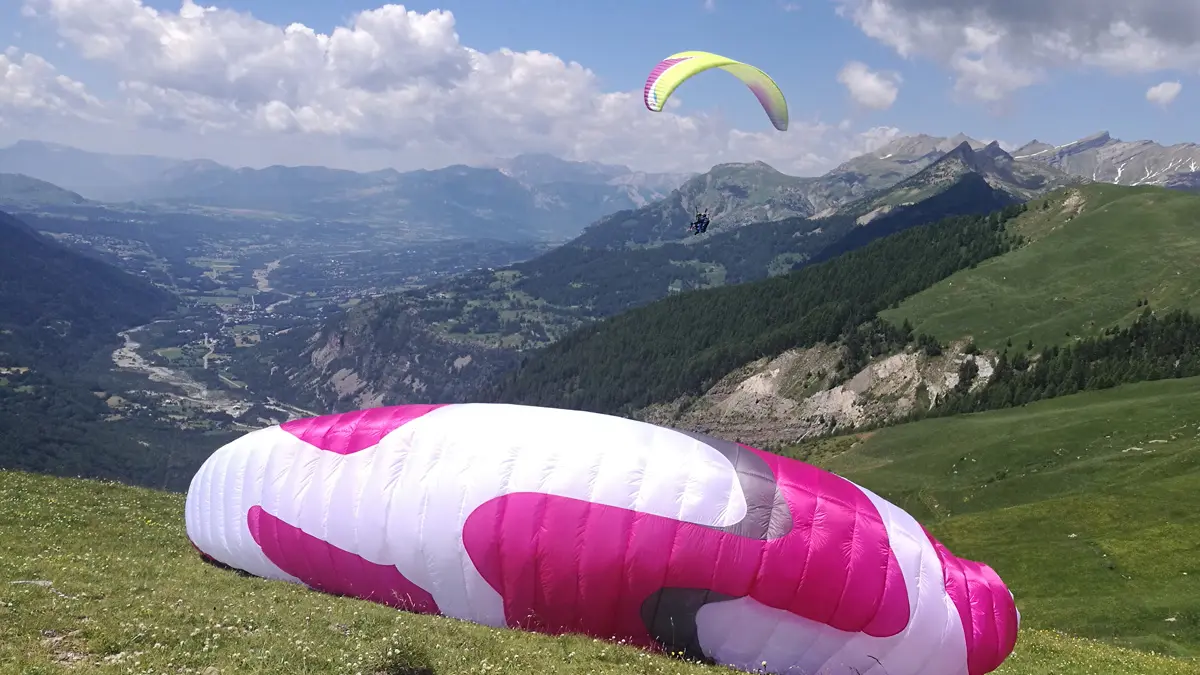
(986,608)
(325,567)
(351,432)
(655,74)
(563,565)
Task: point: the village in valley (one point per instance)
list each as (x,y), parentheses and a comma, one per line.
(190,368)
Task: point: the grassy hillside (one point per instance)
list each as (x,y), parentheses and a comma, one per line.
(1086,505)
(1094,252)
(683,344)
(114,586)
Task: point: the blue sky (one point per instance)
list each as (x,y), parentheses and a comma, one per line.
(803,49)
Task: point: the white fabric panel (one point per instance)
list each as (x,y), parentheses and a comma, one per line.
(404,502)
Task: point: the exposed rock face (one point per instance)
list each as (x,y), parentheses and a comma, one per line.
(787,399)
(384,354)
(1102,158)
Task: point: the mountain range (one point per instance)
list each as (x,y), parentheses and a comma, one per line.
(484,320)
(527,197)
(543,197)
(625,259)
(1100,157)
(900,173)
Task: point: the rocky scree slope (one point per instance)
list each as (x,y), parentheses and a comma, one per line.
(792,397)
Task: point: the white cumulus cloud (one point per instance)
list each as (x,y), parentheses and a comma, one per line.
(996,47)
(869,88)
(391,87)
(30,88)
(1164,93)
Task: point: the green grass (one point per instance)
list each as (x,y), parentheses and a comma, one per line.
(1088,505)
(170,353)
(1076,276)
(139,600)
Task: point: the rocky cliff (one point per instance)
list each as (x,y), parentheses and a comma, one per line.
(790,398)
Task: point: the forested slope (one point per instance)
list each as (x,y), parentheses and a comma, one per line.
(685,343)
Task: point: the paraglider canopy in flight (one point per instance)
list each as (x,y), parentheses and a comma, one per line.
(673,70)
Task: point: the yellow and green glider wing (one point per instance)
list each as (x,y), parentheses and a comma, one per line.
(673,70)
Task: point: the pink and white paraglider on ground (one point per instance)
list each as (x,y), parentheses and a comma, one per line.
(565,521)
